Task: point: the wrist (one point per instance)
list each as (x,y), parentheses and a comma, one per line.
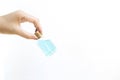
(1,24)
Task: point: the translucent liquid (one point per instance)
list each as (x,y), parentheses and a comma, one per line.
(47,47)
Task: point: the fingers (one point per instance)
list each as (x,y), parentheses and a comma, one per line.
(25,34)
(28,18)
(24,17)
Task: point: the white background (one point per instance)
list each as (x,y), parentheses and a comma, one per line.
(86,34)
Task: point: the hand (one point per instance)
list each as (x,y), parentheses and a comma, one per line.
(10,24)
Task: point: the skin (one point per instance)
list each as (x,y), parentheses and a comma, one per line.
(10,24)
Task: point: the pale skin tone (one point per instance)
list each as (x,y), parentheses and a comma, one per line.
(10,24)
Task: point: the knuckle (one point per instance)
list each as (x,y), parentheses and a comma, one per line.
(19,13)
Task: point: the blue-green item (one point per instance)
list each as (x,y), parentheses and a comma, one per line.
(47,47)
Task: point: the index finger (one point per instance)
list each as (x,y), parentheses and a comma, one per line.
(31,19)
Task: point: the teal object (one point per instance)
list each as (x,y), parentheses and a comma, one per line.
(47,47)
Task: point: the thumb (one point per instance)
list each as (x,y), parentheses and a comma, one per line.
(26,34)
